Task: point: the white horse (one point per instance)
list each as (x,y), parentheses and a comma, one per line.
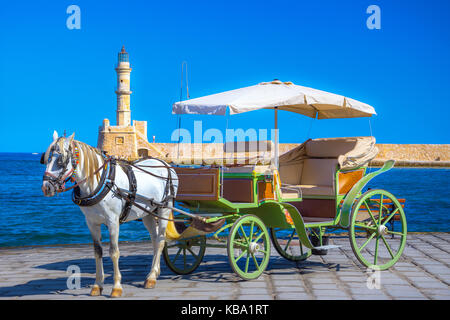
(67,158)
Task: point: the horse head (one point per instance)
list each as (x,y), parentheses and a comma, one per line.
(59,163)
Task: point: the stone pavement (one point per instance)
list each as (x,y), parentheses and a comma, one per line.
(423,272)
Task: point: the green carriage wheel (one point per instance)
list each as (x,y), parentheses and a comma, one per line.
(185,255)
(377,232)
(287,244)
(248,247)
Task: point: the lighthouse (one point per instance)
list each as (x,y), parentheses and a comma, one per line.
(127,139)
(123,92)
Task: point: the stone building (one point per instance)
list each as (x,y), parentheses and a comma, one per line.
(127,139)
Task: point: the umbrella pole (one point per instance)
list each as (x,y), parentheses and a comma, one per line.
(276,137)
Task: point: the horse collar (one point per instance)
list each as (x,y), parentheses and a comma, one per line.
(104,186)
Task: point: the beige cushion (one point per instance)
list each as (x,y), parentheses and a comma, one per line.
(330,147)
(316,190)
(318,177)
(319,172)
(291,173)
(290,194)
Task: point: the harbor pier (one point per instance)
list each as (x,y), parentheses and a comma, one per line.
(68,272)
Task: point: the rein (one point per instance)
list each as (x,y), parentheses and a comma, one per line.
(107,184)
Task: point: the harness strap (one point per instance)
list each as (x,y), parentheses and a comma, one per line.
(101,191)
(132,196)
(107,184)
(169,190)
(154,204)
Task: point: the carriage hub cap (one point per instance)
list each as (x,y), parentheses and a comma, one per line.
(382,229)
(253,247)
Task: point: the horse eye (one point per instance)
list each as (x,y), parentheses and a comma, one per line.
(60,160)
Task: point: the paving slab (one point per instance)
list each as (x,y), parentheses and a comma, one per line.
(41,272)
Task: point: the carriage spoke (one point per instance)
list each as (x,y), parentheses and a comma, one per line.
(370,212)
(258,237)
(241,255)
(367,241)
(290,239)
(243,234)
(388,247)
(177,255)
(390,216)
(247,261)
(376,250)
(192,252)
(380,213)
(395,232)
(254,260)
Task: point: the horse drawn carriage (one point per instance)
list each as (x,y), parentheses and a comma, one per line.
(255,197)
(245,198)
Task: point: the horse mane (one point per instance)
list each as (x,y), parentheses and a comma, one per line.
(88,156)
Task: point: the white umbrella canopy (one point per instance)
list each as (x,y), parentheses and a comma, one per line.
(277,95)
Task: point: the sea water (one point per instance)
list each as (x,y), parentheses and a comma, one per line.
(29,218)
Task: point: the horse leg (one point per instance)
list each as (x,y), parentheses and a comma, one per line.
(161,239)
(95,230)
(150,225)
(115,254)
(157,234)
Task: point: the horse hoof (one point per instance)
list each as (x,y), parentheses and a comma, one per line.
(116,293)
(96,291)
(150,283)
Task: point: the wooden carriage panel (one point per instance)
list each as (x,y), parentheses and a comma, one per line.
(346,180)
(197,183)
(265,191)
(238,190)
(317,208)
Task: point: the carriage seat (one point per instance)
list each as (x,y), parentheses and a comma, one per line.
(315,173)
(315,177)
(318,177)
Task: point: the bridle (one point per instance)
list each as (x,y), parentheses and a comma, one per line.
(59,181)
(65,175)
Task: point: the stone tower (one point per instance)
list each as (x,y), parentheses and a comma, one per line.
(123,92)
(126,139)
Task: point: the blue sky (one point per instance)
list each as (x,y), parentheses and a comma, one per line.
(55,78)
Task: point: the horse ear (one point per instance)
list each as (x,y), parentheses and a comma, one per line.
(43,158)
(55,135)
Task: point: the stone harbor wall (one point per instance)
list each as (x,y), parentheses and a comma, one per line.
(414,155)
(406,155)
